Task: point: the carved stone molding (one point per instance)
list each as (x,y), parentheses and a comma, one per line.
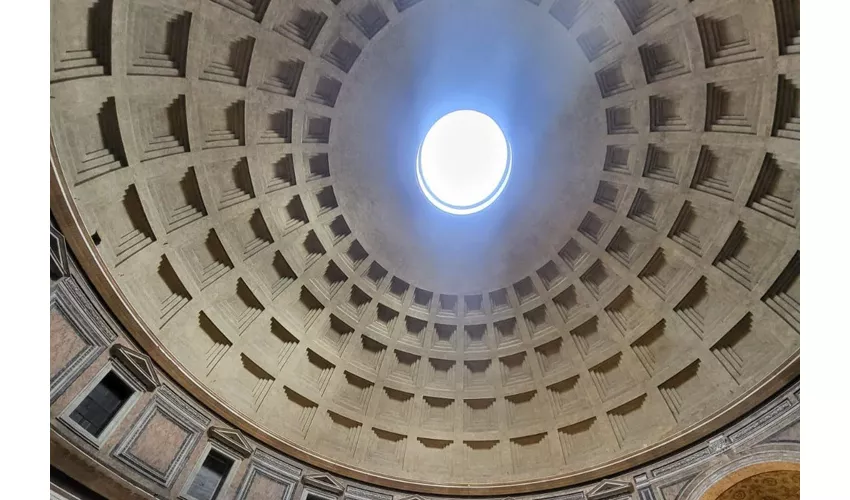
(138,364)
(323,482)
(58,253)
(608,489)
(232,439)
(69,301)
(264,469)
(165,406)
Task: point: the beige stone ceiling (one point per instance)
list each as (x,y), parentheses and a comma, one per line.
(244,170)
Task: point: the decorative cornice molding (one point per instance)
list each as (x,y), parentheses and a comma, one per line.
(58,253)
(323,482)
(609,488)
(138,364)
(79,242)
(232,439)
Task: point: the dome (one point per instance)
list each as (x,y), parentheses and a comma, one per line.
(241,177)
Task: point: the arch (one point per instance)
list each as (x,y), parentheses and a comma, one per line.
(710,484)
(719,489)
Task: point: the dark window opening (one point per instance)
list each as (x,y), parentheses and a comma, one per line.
(210,477)
(102,404)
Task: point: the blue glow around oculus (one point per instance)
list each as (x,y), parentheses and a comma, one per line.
(464,162)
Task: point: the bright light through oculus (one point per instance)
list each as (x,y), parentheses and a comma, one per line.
(464,162)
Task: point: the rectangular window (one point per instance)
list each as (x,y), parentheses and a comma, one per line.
(210,477)
(102,404)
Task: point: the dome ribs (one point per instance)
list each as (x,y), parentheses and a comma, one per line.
(252,9)
(531,452)
(665,162)
(317,129)
(341,434)
(609,195)
(354,392)
(687,389)
(595,42)
(279,174)
(726,37)
(395,406)
(125,225)
(253,381)
(342,53)
(553,357)
(232,182)
(302,25)
(165,292)
(178,198)
(662,273)
(611,377)
(580,438)
(550,275)
(82,49)
(661,290)
(632,420)
(338,229)
(369,354)
(296,411)
(315,371)
(162,127)
(694,228)
(599,279)
(281,341)
(640,14)
(733,107)
(278,129)
(788,25)
(567,12)
(670,113)
(160,41)
(477,338)
(703,307)
(356,303)
(330,281)
(326,91)
(522,409)
(656,348)
(282,76)
(211,341)
(786,123)
(665,57)
(627,311)
(242,307)
(621,120)
(208,260)
(628,245)
(617,159)
(224,125)
(783,297)
(403,5)
(369,18)
(229,58)
(776,192)
(612,80)
(589,338)
(566,394)
(96,138)
(480,414)
(745,348)
(746,254)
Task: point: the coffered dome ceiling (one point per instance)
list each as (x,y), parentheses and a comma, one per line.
(240,177)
